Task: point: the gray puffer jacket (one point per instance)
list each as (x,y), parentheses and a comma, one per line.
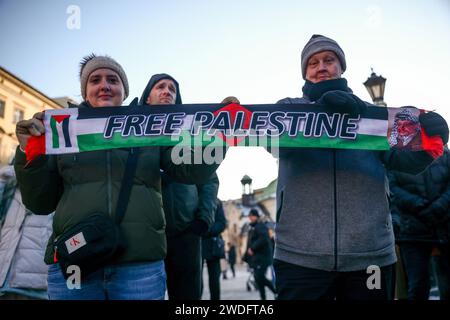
(23,239)
(332,207)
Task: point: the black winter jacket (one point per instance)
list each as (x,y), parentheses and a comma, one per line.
(259,242)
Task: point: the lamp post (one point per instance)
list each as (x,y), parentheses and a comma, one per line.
(247,192)
(375,86)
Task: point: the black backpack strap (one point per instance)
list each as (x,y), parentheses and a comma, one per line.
(127,184)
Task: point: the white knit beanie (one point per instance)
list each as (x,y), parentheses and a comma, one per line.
(92,62)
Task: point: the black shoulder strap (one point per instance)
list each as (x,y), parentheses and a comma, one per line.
(127,184)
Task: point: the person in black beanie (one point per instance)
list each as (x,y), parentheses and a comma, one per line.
(334,229)
(259,251)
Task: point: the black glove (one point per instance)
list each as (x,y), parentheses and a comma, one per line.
(433,124)
(198,227)
(345,102)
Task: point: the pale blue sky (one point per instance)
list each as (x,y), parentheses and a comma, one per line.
(248,48)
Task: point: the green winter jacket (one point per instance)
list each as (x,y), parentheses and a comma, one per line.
(78,185)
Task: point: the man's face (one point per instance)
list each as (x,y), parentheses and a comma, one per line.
(163,92)
(406,127)
(323,66)
(252,218)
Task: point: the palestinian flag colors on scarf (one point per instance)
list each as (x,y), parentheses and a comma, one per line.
(276,125)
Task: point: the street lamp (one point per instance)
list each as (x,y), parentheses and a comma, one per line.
(247,192)
(375,86)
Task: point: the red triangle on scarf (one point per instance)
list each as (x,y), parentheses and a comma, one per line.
(432,145)
(35,147)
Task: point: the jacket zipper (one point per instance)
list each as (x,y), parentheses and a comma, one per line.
(335,212)
(109,182)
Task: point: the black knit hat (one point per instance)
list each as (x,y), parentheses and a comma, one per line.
(319,43)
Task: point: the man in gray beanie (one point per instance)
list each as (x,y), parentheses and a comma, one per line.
(334,237)
(319,43)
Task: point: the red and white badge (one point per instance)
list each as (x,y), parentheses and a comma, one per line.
(75,243)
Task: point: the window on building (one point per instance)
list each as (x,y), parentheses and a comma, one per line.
(2,108)
(18,115)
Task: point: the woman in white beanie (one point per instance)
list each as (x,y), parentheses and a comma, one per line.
(77,186)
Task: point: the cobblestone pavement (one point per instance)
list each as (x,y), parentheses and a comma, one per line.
(235,288)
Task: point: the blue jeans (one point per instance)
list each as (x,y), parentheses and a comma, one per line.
(128,281)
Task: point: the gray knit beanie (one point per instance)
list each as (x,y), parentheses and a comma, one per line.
(319,43)
(92,62)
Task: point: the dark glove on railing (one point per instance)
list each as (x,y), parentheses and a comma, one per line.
(434,125)
(344,102)
(198,227)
